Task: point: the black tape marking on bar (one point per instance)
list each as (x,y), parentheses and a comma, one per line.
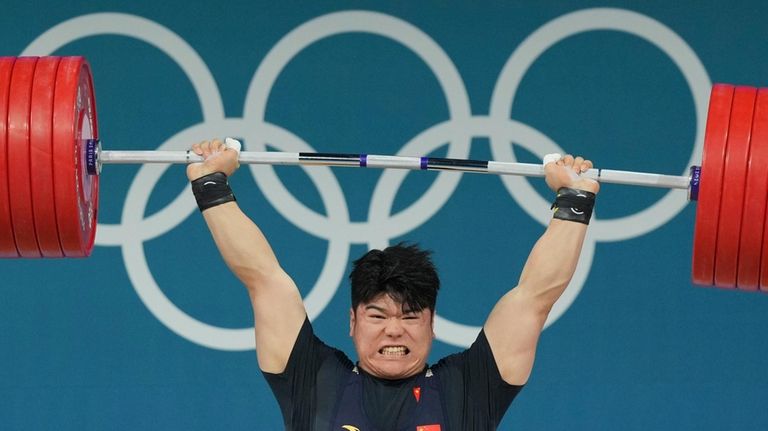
(438,163)
(333,158)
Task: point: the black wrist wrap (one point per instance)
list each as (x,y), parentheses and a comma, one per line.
(573,205)
(212,190)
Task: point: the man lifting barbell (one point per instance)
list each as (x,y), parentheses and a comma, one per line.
(391,319)
(50,157)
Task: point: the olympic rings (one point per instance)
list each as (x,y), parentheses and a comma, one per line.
(382,225)
(590,20)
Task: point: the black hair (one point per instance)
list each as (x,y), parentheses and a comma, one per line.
(405,272)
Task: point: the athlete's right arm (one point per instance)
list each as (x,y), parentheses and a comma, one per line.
(277,305)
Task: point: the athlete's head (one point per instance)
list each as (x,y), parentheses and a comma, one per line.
(393,302)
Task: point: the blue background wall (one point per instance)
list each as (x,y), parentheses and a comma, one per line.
(152,331)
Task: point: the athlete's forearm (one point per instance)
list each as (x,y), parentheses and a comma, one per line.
(241,243)
(552,262)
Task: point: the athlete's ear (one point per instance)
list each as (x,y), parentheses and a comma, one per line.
(432,323)
(351,322)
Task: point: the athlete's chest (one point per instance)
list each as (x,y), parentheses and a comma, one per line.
(365,405)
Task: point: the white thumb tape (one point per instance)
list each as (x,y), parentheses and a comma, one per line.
(233,144)
(553,157)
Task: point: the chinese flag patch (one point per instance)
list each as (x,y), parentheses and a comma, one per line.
(428,428)
(417,395)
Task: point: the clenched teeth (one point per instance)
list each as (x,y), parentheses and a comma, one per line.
(394,350)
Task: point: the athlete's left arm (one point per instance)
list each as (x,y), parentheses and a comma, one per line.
(514,325)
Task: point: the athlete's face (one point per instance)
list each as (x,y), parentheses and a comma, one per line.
(391,343)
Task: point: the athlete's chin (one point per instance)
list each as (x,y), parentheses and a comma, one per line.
(392,370)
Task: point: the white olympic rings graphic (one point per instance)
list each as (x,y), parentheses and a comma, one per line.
(382,225)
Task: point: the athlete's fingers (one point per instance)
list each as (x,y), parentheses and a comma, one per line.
(197,149)
(577,163)
(217,145)
(567,160)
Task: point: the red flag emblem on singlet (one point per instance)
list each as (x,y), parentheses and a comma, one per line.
(417,395)
(428,428)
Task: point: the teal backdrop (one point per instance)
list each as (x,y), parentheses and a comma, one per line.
(152,332)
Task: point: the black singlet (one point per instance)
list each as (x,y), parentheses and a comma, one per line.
(472,394)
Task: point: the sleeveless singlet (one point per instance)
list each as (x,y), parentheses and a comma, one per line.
(427,416)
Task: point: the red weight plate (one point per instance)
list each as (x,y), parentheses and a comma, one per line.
(734,183)
(751,243)
(760,140)
(7,241)
(76,192)
(19,174)
(710,190)
(41,146)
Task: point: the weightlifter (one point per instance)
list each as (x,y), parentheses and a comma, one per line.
(391,386)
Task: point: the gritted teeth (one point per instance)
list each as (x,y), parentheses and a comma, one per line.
(394,350)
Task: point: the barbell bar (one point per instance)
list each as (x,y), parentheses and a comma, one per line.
(51,157)
(100,157)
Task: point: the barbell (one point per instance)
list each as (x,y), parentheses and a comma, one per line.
(51,158)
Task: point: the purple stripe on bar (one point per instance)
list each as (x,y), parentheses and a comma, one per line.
(693,190)
(363,160)
(424,163)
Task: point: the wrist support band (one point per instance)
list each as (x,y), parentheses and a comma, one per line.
(573,205)
(211,190)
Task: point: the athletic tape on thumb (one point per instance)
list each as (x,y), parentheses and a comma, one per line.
(553,157)
(233,144)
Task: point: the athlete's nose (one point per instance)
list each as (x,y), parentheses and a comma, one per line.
(394,327)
